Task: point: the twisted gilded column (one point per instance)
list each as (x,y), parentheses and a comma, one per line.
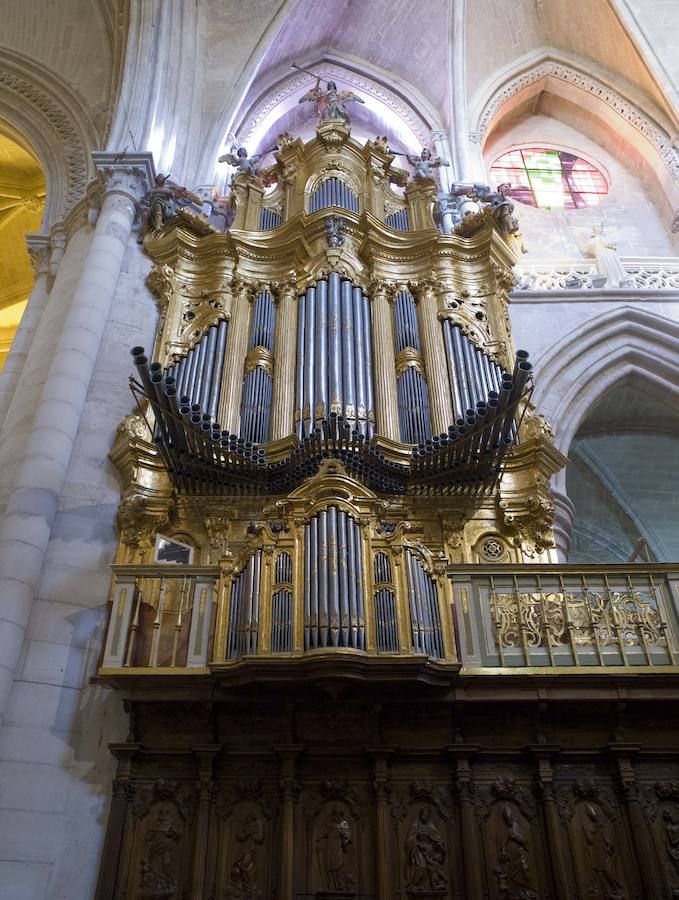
(39,249)
(234,362)
(39,481)
(283,399)
(434,353)
(384,369)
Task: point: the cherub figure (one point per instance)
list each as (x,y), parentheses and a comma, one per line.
(381,142)
(245,165)
(161,202)
(330,102)
(425,163)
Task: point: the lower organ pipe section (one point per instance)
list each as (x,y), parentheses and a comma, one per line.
(425,618)
(413,406)
(334,357)
(386,621)
(472,373)
(244,609)
(281,605)
(334,612)
(256,406)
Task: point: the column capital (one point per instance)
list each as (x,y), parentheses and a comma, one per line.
(125,173)
(39,251)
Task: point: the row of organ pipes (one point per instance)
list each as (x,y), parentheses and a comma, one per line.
(334,607)
(334,399)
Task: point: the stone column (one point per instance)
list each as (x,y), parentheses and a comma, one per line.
(39,248)
(471,848)
(434,353)
(564,514)
(285,346)
(644,850)
(554,829)
(289,794)
(205,754)
(33,502)
(234,362)
(384,365)
(115,826)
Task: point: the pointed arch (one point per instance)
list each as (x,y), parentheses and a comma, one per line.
(594,104)
(575,372)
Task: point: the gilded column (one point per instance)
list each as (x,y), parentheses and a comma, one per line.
(236,351)
(644,850)
(38,248)
(471,848)
(115,826)
(434,354)
(384,355)
(554,830)
(283,400)
(205,754)
(289,793)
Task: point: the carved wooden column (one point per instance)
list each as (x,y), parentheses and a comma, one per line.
(289,794)
(555,832)
(205,754)
(651,876)
(471,847)
(236,351)
(115,827)
(384,355)
(285,345)
(435,363)
(382,789)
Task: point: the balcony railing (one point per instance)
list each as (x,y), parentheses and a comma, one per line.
(569,617)
(191,619)
(642,273)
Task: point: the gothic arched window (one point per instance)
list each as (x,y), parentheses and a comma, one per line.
(552,179)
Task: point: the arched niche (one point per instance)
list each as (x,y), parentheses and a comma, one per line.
(630,129)
(391,107)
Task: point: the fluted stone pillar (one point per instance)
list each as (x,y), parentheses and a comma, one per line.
(434,353)
(564,514)
(283,399)
(384,368)
(39,248)
(33,502)
(234,362)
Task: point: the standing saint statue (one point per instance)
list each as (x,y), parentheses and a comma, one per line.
(332,848)
(605,258)
(158,879)
(600,859)
(425,856)
(250,835)
(330,102)
(671,820)
(512,869)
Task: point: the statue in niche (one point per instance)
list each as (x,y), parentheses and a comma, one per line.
(332,848)
(512,869)
(424,164)
(425,856)
(161,203)
(250,836)
(334,231)
(330,103)
(671,828)
(603,252)
(158,880)
(600,859)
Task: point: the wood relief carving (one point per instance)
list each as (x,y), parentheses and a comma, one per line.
(600,855)
(512,867)
(426,857)
(334,852)
(158,876)
(248,837)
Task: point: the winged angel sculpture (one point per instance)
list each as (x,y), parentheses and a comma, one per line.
(330,103)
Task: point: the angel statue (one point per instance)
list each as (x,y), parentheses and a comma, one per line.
(424,163)
(161,202)
(329,102)
(245,165)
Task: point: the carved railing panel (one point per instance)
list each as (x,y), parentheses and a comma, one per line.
(656,274)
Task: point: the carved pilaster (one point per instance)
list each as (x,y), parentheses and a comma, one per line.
(384,352)
(554,830)
(121,804)
(433,350)
(205,754)
(471,844)
(289,789)
(283,398)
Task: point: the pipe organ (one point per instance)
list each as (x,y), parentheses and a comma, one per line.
(332,416)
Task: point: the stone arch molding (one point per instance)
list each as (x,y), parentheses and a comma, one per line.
(56,124)
(628,342)
(567,74)
(282,88)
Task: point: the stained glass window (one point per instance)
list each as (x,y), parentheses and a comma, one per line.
(552,179)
